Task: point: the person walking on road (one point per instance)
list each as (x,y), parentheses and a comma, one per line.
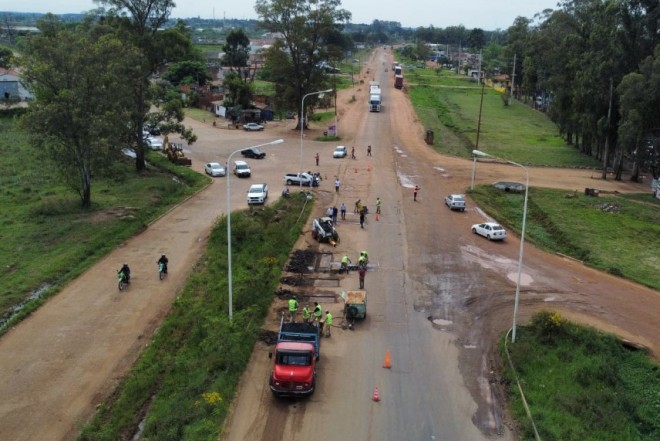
(378,202)
(317,159)
(368,150)
(307,314)
(293,309)
(342,209)
(358,205)
(415,190)
(328,323)
(353,153)
(361,273)
(362,218)
(337,184)
(335,212)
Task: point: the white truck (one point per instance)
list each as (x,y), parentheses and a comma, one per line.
(305,179)
(375,98)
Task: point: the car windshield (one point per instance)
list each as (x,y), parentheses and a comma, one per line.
(241,166)
(215,166)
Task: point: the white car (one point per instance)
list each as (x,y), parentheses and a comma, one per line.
(252,127)
(154,142)
(340,152)
(490,230)
(242,169)
(257,194)
(214,169)
(455,202)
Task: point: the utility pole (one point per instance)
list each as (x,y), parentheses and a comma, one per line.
(513,78)
(607,132)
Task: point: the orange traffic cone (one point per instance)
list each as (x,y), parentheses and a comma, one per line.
(356,169)
(376,217)
(368,167)
(388,363)
(376,396)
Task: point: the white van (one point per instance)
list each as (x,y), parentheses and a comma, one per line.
(242,169)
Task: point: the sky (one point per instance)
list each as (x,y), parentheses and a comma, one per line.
(488,15)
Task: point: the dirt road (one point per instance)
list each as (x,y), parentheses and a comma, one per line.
(60,363)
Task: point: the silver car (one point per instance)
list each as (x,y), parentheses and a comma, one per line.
(340,152)
(214,169)
(455,202)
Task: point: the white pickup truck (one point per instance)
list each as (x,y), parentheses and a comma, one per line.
(298,178)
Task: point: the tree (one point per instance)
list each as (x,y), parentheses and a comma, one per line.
(237,51)
(303,26)
(187,72)
(6,57)
(138,22)
(477,39)
(236,83)
(79,104)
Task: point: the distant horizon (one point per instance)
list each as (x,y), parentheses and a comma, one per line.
(483,14)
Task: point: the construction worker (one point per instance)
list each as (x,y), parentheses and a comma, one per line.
(307,314)
(293,309)
(345,261)
(328,323)
(318,312)
(364,259)
(378,202)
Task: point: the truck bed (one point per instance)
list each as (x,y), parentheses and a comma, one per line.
(355,297)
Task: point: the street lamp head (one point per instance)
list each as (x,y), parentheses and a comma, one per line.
(479,153)
(277,141)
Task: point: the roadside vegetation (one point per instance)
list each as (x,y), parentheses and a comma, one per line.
(49,239)
(618,234)
(183,384)
(581,385)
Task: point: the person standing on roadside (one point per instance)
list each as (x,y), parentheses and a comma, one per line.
(317,159)
(362,218)
(361,273)
(415,190)
(307,314)
(328,323)
(342,209)
(337,184)
(335,212)
(368,150)
(378,202)
(358,204)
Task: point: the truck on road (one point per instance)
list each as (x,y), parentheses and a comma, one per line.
(375,98)
(295,357)
(304,178)
(398,81)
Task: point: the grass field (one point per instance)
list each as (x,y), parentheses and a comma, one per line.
(449,104)
(48,239)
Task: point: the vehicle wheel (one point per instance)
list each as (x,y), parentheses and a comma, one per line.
(121,286)
(352,312)
(462,210)
(161,274)
(488,237)
(315,235)
(288,182)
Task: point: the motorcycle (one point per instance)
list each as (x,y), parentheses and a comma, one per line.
(162,270)
(122,280)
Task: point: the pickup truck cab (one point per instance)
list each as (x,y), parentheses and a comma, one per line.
(296,179)
(242,169)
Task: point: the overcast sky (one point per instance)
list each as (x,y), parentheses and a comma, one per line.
(485,14)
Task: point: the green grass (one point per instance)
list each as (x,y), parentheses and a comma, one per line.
(48,239)
(449,104)
(200,115)
(186,378)
(582,385)
(624,243)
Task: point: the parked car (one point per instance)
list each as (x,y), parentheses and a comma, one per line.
(340,152)
(214,169)
(455,202)
(154,142)
(252,127)
(257,194)
(242,169)
(253,152)
(490,230)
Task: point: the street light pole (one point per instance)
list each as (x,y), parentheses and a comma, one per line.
(302,126)
(229,273)
(522,238)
